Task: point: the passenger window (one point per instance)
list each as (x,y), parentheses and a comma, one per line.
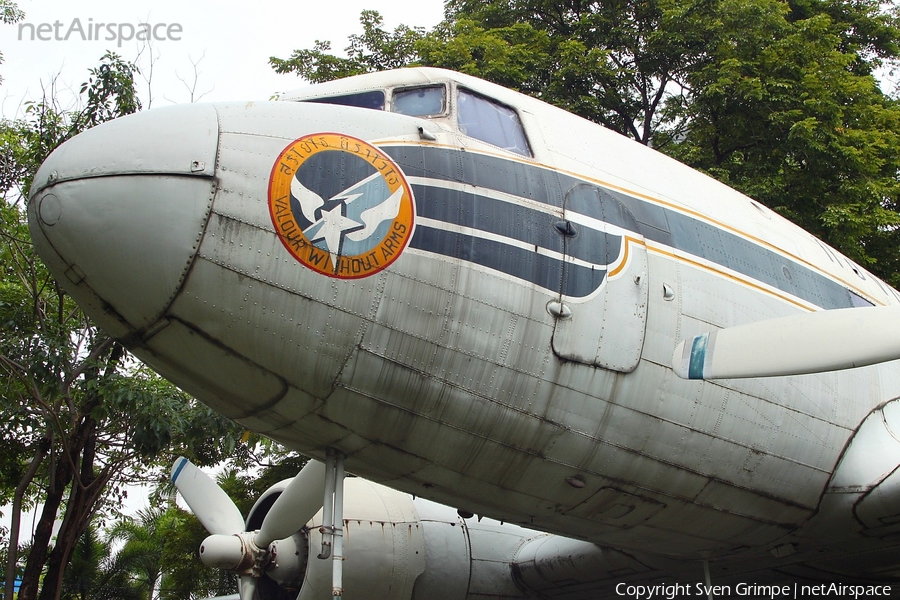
(491,122)
(419,102)
(374,100)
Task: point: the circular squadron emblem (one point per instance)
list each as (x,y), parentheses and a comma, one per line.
(341,206)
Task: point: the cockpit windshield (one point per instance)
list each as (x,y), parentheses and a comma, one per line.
(373,99)
(420,102)
(477,116)
(491,122)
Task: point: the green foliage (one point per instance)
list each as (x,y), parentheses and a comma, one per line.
(110,91)
(24,143)
(141,550)
(516,56)
(792,118)
(159,421)
(13,457)
(87,417)
(97,573)
(374,50)
(184,577)
(10,12)
(867,30)
(616,63)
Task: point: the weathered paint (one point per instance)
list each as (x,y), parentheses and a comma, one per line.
(441,376)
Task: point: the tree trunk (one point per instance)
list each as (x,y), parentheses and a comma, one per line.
(40,542)
(83,498)
(83,495)
(13,552)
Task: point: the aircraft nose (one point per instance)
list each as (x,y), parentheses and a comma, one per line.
(118,211)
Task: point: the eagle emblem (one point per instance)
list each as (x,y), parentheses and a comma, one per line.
(341,206)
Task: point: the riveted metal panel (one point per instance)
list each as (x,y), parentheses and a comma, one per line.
(447,562)
(164,213)
(294,337)
(384,546)
(607,328)
(173,140)
(233,384)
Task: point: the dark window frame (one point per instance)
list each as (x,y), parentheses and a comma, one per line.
(344,99)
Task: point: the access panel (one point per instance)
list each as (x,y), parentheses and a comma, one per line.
(605,328)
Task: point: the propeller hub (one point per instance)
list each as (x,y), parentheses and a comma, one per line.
(251,553)
(233,552)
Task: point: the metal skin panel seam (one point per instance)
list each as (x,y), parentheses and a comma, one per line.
(587,471)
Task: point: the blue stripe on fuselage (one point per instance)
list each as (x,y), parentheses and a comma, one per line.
(654,222)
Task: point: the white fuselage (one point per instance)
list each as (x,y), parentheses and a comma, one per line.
(491,359)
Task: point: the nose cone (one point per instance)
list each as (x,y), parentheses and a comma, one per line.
(118,211)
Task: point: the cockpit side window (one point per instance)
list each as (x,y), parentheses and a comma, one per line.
(420,102)
(491,122)
(372,99)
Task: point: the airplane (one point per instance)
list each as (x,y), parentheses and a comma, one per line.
(634,376)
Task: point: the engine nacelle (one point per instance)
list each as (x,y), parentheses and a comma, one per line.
(384,547)
(398,548)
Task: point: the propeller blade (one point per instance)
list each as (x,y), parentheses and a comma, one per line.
(297,504)
(827,340)
(206,499)
(247,587)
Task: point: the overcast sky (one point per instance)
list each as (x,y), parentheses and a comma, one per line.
(230,42)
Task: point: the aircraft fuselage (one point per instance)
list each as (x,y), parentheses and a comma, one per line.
(490,328)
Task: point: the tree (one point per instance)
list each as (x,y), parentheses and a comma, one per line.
(96,572)
(9,14)
(110,92)
(143,538)
(793,117)
(184,576)
(620,63)
(374,50)
(86,418)
(616,63)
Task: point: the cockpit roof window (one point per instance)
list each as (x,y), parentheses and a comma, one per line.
(371,99)
(491,122)
(429,101)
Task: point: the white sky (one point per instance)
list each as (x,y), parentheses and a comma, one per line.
(232,43)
